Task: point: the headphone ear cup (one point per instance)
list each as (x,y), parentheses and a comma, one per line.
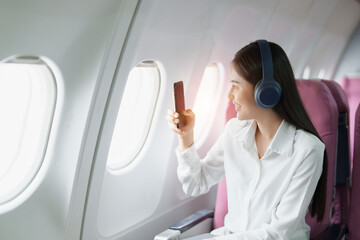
(267,94)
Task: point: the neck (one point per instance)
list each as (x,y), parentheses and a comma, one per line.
(268,125)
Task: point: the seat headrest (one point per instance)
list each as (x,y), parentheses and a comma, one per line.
(357,121)
(323,114)
(338,94)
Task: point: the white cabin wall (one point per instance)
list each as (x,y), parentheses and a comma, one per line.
(349,65)
(335,35)
(93,51)
(74,36)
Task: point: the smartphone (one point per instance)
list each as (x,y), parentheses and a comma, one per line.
(179,101)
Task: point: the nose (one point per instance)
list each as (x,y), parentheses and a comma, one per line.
(230,94)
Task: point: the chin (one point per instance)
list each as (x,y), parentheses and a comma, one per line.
(241,117)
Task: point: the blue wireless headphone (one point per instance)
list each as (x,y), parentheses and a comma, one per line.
(267,92)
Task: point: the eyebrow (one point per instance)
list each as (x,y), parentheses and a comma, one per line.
(234,81)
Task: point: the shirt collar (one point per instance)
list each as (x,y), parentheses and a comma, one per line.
(282,143)
(283,140)
(245,133)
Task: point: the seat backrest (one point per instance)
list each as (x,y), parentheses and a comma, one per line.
(341,203)
(221,207)
(354,218)
(351,86)
(322,110)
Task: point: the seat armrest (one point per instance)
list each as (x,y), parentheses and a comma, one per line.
(193,220)
(168,234)
(191,223)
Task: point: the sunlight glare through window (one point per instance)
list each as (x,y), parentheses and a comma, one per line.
(206,102)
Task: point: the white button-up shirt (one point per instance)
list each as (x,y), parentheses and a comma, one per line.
(268,198)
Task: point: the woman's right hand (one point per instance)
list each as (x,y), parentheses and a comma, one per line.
(186,133)
(173,119)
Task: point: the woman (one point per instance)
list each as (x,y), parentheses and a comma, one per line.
(273,158)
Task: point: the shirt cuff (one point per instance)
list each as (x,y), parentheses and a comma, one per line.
(188,157)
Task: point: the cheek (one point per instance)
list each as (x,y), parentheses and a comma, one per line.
(245,97)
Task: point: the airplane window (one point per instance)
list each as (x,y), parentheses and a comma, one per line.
(321,74)
(306,73)
(135,115)
(206,102)
(27,102)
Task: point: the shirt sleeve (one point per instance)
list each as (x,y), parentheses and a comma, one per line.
(199,175)
(293,205)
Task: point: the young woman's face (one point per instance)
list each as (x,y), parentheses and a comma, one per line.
(242,95)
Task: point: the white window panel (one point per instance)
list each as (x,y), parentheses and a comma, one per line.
(135,115)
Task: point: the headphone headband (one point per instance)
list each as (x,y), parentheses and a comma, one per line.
(266,60)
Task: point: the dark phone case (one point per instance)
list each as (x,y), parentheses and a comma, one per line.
(179,102)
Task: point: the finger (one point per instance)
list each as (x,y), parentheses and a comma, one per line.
(170,112)
(173,113)
(187,112)
(172,119)
(173,123)
(174,128)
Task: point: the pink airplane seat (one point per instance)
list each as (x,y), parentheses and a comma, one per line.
(221,207)
(323,112)
(351,86)
(341,203)
(354,219)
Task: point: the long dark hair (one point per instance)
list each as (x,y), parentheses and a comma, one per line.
(247,63)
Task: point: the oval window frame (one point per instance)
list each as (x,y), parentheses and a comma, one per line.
(32,173)
(113,165)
